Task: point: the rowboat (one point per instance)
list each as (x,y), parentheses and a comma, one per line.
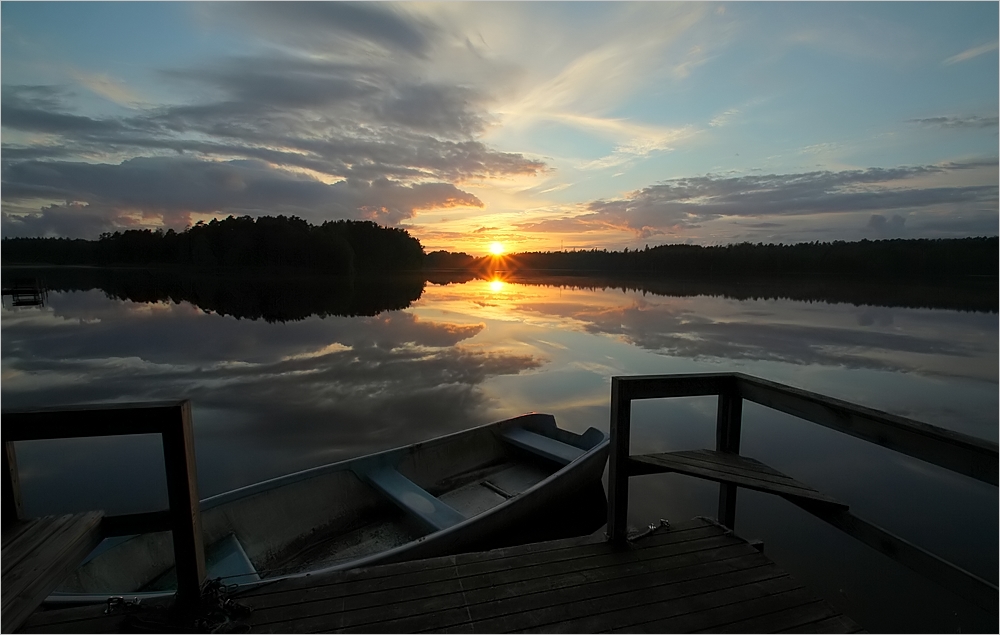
(443,496)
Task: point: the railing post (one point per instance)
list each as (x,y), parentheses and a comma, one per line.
(727,439)
(621,407)
(185,510)
(11,485)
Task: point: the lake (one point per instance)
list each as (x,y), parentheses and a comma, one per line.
(286,374)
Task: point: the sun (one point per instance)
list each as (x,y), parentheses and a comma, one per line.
(497,249)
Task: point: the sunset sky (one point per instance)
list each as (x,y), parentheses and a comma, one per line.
(540,126)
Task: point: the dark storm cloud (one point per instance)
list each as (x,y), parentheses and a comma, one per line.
(174,187)
(683,203)
(957,122)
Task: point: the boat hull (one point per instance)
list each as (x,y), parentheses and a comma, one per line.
(465,491)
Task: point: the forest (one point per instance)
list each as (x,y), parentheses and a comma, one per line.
(869,258)
(335,247)
(347,247)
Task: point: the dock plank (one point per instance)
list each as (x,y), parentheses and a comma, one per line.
(37,555)
(724,467)
(692,577)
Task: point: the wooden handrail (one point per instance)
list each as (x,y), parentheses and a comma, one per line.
(953,451)
(172,421)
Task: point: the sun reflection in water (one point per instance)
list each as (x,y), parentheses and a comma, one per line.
(497,285)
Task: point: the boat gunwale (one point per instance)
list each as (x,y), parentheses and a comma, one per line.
(375,459)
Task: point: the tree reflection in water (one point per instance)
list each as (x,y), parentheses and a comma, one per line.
(321,369)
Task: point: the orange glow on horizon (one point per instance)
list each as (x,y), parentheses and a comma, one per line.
(497,249)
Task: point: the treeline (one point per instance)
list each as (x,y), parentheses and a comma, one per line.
(335,247)
(913,257)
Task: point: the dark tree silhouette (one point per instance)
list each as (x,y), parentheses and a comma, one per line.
(337,247)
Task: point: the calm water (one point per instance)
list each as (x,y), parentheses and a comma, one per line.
(315,385)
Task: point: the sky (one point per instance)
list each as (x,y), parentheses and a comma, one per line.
(542,126)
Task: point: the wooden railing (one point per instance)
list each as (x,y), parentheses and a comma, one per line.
(957,452)
(172,421)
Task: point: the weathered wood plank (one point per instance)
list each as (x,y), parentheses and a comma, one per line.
(723,459)
(630,612)
(669,461)
(11,486)
(982,593)
(89,420)
(547,556)
(836,624)
(496,581)
(734,464)
(694,574)
(951,450)
(618,474)
(787,619)
(185,508)
(749,600)
(729,422)
(605,583)
(33,534)
(481,595)
(30,575)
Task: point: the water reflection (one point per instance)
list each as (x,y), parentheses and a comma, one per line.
(268,296)
(319,373)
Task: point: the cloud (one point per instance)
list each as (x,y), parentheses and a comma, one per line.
(971,121)
(724,118)
(342,132)
(794,333)
(172,188)
(318,390)
(109,88)
(342,25)
(886,227)
(676,205)
(970,53)
(65,220)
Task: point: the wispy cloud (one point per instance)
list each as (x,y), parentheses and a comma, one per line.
(971,53)
(642,143)
(724,118)
(109,88)
(876,195)
(972,121)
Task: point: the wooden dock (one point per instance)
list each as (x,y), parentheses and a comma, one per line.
(696,576)
(691,577)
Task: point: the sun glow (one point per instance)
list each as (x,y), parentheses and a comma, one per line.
(496,285)
(497,249)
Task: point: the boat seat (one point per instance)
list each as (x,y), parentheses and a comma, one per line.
(561,453)
(37,554)
(226,559)
(413,499)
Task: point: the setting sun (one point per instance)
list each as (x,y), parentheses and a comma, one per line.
(497,249)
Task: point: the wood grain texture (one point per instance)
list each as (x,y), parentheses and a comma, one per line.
(692,577)
(729,468)
(37,555)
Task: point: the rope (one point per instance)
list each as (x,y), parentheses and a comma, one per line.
(653,527)
(216,612)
